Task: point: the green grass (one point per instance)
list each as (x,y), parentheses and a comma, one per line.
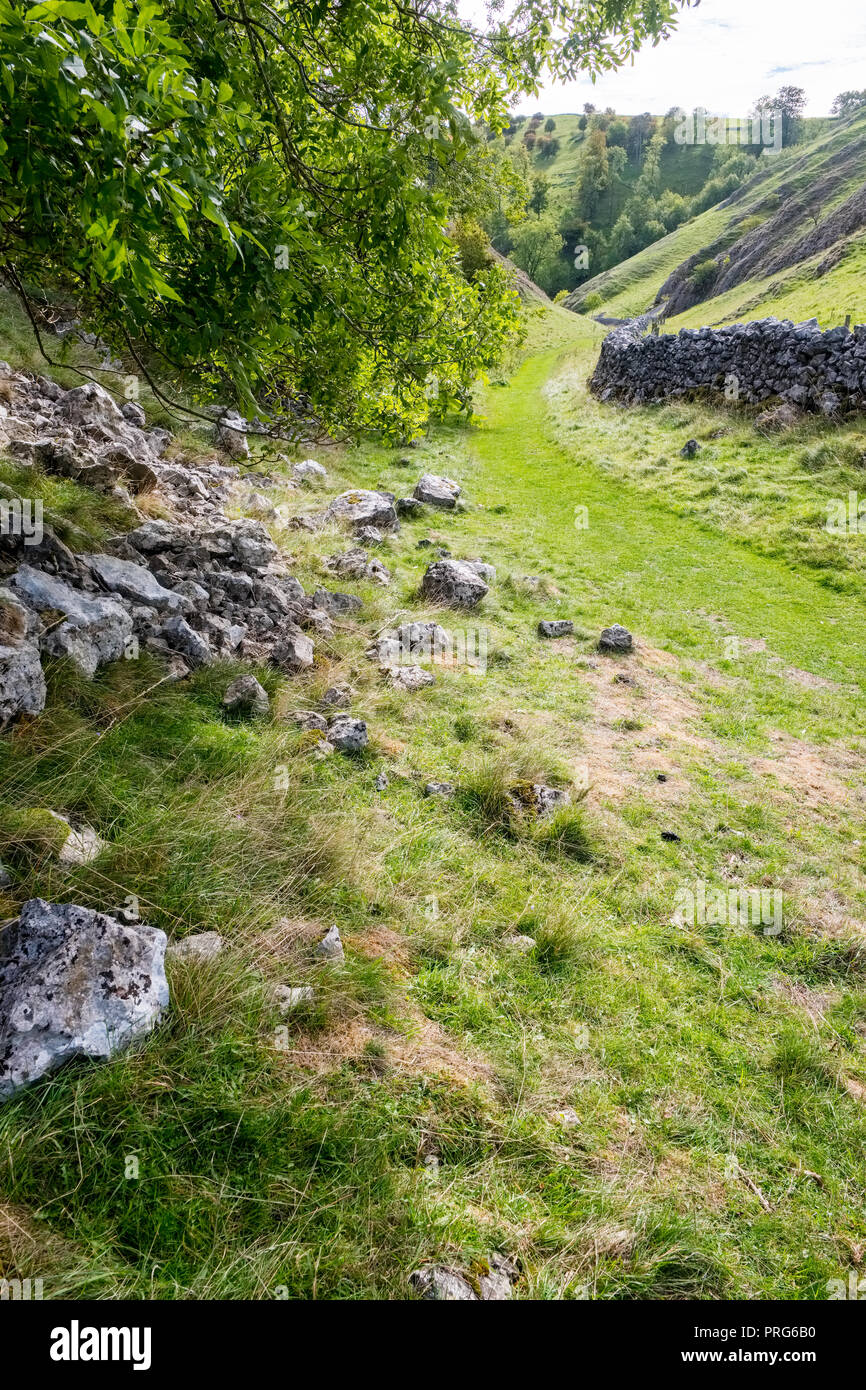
(289,1157)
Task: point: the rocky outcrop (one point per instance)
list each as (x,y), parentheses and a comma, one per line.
(751,362)
(74,983)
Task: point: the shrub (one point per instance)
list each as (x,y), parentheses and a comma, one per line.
(704,275)
(591,302)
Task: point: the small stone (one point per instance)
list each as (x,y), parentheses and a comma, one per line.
(331,946)
(523,944)
(310,721)
(615,639)
(338,696)
(347,734)
(496,1284)
(184,639)
(671,836)
(230,434)
(369,535)
(439,789)
(335,603)
(556,627)
(245,693)
(410,678)
(201,946)
(290,997)
(568,1116)
(293,652)
(439,1285)
(309,471)
(80,846)
(381,783)
(409,507)
(323,749)
(689,449)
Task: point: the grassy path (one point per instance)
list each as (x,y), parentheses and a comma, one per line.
(661,570)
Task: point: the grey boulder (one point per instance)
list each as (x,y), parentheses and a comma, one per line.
(437,492)
(22,684)
(96,630)
(615,639)
(361,508)
(556,627)
(74,983)
(453,583)
(347,734)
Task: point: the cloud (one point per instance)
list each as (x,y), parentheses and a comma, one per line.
(724,54)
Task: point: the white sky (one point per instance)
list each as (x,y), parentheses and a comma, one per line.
(726,53)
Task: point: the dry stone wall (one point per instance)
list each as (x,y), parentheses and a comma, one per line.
(752,362)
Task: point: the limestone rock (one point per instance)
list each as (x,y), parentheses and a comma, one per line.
(436,1284)
(184,639)
(439,789)
(293,652)
(200,946)
(331,946)
(362,507)
(290,997)
(556,627)
(453,583)
(22,684)
(231,434)
(410,678)
(95,631)
(615,639)
(347,734)
(74,983)
(133,582)
(245,693)
(309,471)
(437,492)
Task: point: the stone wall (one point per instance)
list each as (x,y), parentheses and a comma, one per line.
(751,362)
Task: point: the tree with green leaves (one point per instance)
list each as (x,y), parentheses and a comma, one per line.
(846,103)
(594,174)
(253,198)
(536,247)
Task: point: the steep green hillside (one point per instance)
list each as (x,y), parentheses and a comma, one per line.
(798,223)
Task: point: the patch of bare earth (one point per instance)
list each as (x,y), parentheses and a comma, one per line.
(641,725)
(813,1003)
(814,775)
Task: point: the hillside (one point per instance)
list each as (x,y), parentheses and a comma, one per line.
(798,222)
